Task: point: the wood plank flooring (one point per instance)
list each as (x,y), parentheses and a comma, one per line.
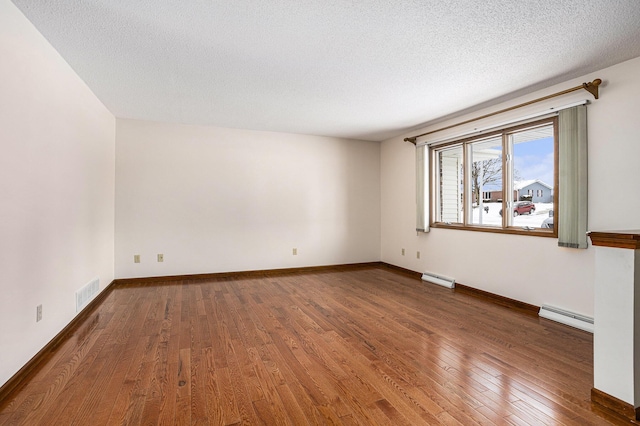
(353,346)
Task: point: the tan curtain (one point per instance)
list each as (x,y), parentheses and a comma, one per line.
(572,164)
(422,188)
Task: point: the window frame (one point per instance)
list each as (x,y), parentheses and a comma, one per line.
(466,143)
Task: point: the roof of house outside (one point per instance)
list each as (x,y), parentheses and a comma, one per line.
(524,183)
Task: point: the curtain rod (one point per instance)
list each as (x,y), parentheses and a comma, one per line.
(591,87)
(516,121)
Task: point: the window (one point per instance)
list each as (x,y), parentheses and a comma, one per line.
(476,179)
(450,180)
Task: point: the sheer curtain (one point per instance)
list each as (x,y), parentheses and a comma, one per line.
(422,188)
(571,219)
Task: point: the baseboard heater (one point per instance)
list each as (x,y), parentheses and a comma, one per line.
(568,318)
(438,279)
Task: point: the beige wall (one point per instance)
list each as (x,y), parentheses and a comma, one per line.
(56,188)
(530,269)
(214,199)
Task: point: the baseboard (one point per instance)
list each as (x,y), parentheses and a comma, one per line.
(513,304)
(401,270)
(246,274)
(614,404)
(474,292)
(17,379)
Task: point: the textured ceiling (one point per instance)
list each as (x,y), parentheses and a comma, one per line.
(356,69)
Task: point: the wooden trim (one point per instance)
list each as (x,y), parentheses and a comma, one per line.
(614,404)
(246,274)
(402,270)
(537,232)
(17,379)
(618,239)
(474,292)
(498,300)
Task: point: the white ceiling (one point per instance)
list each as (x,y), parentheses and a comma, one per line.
(357,69)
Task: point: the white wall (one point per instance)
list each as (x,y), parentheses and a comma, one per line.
(615,334)
(56,189)
(529,269)
(214,199)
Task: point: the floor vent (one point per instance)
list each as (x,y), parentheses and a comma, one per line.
(438,279)
(86,293)
(568,318)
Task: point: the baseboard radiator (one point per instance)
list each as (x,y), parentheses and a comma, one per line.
(439,279)
(568,318)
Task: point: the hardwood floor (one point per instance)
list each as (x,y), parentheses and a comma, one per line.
(362,345)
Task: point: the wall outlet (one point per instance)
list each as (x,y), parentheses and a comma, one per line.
(136,258)
(38,313)
(295,251)
(403,252)
(418,255)
(160,257)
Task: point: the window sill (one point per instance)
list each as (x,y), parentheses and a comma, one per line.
(536,232)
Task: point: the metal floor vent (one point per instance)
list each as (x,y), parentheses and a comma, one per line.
(438,279)
(86,293)
(566,317)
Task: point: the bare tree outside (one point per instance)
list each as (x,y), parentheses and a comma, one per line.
(485,173)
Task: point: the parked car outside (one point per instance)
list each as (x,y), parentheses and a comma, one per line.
(548,222)
(522,207)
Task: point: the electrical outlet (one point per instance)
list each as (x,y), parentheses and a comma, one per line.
(160,257)
(403,252)
(136,258)
(38,313)
(295,251)
(418,255)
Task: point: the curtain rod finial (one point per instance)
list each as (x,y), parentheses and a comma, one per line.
(412,140)
(592,87)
